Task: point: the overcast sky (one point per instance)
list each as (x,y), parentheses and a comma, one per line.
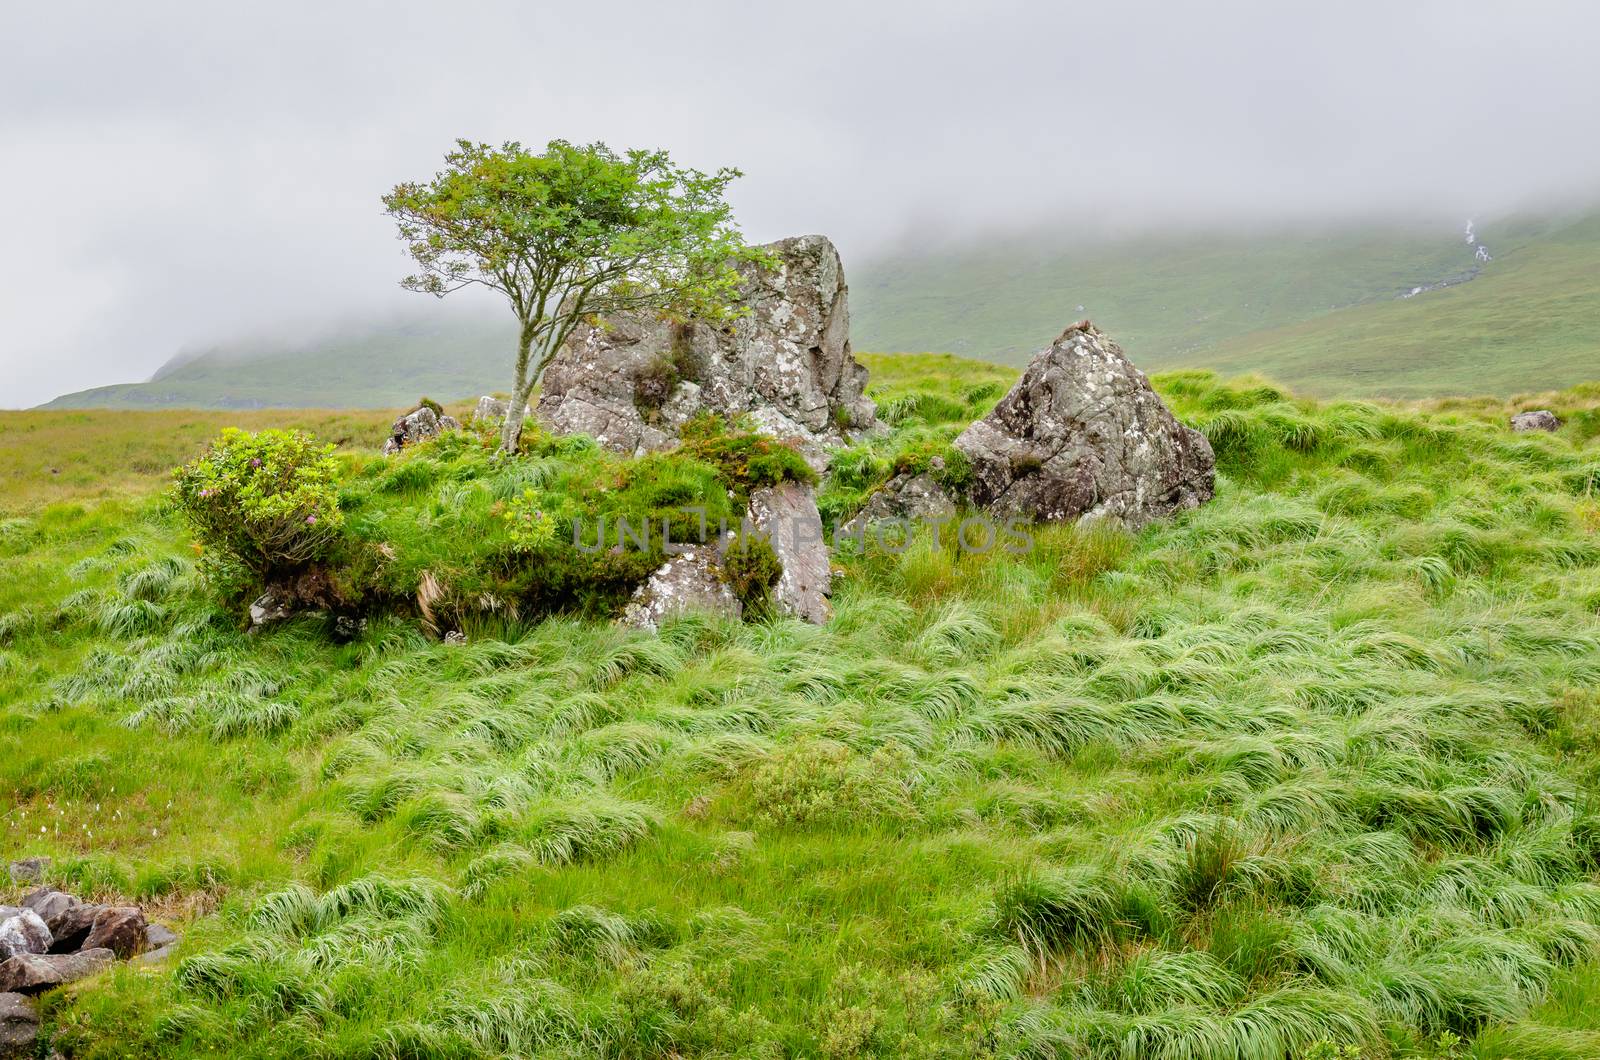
(181,174)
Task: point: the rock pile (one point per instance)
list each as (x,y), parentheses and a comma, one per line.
(632,380)
(53,938)
(421,423)
(1537,420)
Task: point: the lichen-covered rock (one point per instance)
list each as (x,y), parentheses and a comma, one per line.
(24,931)
(19,1026)
(632,380)
(688,582)
(118,928)
(915,498)
(1083,435)
(33,973)
(1537,420)
(271,606)
(786,514)
(418,425)
(493,408)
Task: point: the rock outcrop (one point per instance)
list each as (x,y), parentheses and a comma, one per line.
(688,582)
(632,380)
(418,425)
(786,514)
(1537,420)
(913,498)
(1082,435)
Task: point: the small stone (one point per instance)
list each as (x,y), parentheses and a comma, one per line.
(268,608)
(455,637)
(19,1026)
(23,932)
(32,973)
(158,935)
(1537,420)
(29,870)
(418,425)
(347,628)
(155,956)
(119,928)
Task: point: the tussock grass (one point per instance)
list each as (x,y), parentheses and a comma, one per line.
(1314,765)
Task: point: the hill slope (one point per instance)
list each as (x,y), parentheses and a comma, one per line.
(1315,309)
(385,367)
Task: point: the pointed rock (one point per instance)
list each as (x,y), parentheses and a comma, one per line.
(1082,435)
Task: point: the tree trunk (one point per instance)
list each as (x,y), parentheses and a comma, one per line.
(511,430)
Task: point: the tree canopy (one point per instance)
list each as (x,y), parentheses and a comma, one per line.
(570,233)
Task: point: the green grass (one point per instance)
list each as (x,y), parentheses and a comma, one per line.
(1315,765)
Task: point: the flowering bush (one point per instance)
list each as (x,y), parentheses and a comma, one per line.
(531,522)
(265,501)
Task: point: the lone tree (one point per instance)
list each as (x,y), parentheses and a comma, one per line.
(570,233)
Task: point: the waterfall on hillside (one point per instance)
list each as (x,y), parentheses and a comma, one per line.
(1479,251)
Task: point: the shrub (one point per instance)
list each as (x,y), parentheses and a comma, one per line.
(265,501)
(752,569)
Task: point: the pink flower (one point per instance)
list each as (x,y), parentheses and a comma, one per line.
(311,520)
(255,461)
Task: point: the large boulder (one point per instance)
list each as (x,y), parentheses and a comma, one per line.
(1537,420)
(786,515)
(632,380)
(1083,435)
(118,928)
(33,973)
(418,425)
(691,581)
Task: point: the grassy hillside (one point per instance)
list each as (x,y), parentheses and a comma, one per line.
(1163,298)
(381,368)
(1530,321)
(1312,768)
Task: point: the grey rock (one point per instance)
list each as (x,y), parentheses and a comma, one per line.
(347,628)
(158,935)
(493,408)
(1082,435)
(418,425)
(24,932)
(689,582)
(271,606)
(918,498)
(118,928)
(32,973)
(632,380)
(29,870)
(54,907)
(786,514)
(158,954)
(455,637)
(19,1026)
(1537,420)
